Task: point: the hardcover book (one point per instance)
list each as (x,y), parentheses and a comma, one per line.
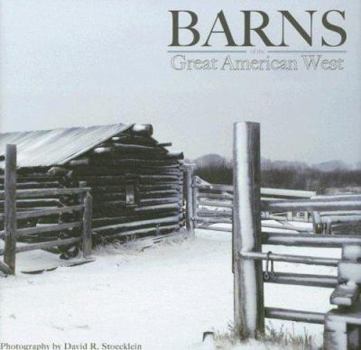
(180,175)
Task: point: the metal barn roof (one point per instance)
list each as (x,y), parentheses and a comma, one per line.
(58,146)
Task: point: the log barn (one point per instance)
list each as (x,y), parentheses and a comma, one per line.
(136,183)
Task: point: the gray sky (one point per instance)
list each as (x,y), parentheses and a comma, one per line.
(86,62)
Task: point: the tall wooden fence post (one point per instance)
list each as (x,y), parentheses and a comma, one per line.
(339,332)
(194,198)
(10,207)
(188,174)
(248,277)
(87,225)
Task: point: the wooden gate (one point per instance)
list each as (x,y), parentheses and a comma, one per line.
(342,325)
(247,208)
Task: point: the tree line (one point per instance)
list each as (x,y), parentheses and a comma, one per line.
(288,177)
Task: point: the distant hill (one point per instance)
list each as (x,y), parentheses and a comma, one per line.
(332,165)
(333,175)
(216,160)
(211,160)
(268,164)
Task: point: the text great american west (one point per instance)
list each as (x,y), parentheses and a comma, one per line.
(183,62)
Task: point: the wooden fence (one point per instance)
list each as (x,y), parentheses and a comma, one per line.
(211,204)
(81,231)
(342,325)
(247,207)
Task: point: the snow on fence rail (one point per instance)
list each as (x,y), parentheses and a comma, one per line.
(342,326)
(35,198)
(210,204)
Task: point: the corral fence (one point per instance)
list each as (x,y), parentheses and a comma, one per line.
(213,204)
(248,208)
(23,208)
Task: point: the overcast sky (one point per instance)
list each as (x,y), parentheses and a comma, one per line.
(85,62)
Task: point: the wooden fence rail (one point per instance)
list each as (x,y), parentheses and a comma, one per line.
(11,233)
(213,203)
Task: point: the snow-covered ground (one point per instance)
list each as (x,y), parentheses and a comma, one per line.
(163,297)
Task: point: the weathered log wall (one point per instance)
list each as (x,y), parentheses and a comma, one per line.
(135,182)
(136,185)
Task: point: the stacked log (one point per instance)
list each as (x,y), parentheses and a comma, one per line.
(132,158)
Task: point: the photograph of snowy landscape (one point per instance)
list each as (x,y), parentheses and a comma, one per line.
(180,175)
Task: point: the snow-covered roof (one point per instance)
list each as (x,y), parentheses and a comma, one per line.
(58,146)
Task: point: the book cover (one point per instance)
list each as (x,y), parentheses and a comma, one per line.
(180,174)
